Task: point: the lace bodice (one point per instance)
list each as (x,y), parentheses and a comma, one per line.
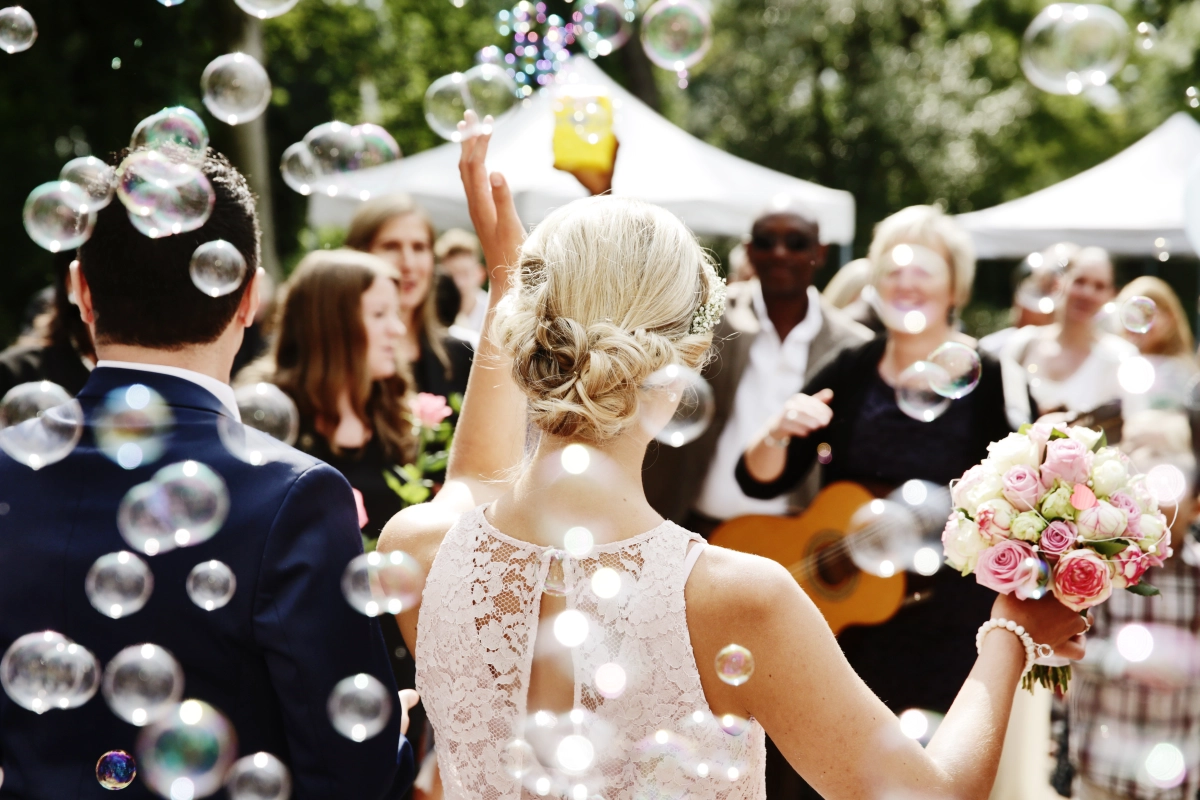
(640,727)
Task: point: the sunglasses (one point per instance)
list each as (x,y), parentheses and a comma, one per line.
(793,242)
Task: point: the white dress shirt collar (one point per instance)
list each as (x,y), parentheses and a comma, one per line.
(808,328)
(221,391)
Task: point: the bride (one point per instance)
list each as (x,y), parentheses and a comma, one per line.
(567,634)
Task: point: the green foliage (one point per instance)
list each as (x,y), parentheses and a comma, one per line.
(1144,589)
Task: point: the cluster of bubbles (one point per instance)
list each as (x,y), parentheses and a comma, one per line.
(383,583)
(693,404)
(236,88)
(18,31)
(40,424)
(45,670)
(1071,48)
(182,505)
(330,151)
(270,422)
(540,42)
(925,389)
(901,531)
(486,89)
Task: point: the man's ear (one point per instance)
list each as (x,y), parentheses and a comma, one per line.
(81,294)
(248,308)
(822,253)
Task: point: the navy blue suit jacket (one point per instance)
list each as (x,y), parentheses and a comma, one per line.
(268,660)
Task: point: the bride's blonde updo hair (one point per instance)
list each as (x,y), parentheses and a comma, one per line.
(606,294)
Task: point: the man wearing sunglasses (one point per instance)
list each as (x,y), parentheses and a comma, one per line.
(775,332)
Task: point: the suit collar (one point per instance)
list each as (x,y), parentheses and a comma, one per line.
(178,392)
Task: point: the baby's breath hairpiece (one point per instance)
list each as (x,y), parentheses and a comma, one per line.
(709,314)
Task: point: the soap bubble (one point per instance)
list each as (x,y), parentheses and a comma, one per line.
(359,707)
(217,268)
(1145,37)
(163,196)
(555,584)
(928,505)
(96,178)
(236,88)
(379,147)
(261,776)
(18,31)
(915,393)
(571,628)
(606,583)
(118,584)
(188,752)
(607,25)
(575,459)
(485,88)
(266,9)
(184,504)
(1071,47)
(266,407)
(566,747)
(46,670)
(59,216)
(142,684)
(1137,314)
(1136,375)
(1167,483)
(961,366)
(919,724)
(178,132)
(39,423)
(248,445)
(131,426)
(116,769)
(735,664)
(1165,765)
(676,33)
(695,407)
(211,585)
(334,147)
(383,583)
(518,758)
(610,680)
(1039,281)
(298,170)
(883,537)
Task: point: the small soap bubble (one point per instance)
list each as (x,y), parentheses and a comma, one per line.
(118,584)
(915,393)
(485,89)
(59,216)
(266,9)
(1036,576)
(217,268)
(211,585)
(1167,483)
(735,664)
(142,684)
(576,459)
(116,769)
(46,670)
(39,423)
(261,776)
(571,628)
(1137,314)
(518,758)
(919,724)
(556,576)
(687,397)
(359,707)
(188,752)
(606,583)
(298,169)
(610,680)
(607,25)
(1039,281)
(676,33)
(383,583)
(96,178)
(178,132)
(578,541)
(1071,47)
(961,365)
(236,88)
(1136,375)
(18,31)
(184,504)
(1135,643)
(1145,37)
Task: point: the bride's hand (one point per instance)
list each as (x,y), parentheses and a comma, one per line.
(1048,621)
(489,201)
(408,699)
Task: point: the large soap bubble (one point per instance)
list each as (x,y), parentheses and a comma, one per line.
(39,423)
(92,175)
(298,168)
(261,776)
(118,584)
(265,9)
(163,196)
(485,89)
(607,25)
(883,537)
(18,31)
(142,684)
(59,216)
(917,391)
(692,413)
(217,268)
(236,88)
(676,33)
(188,752)
(1071,47)
(131,426)
(961,366)
(46,670)
(183,505)
(266,407)
(383,583)
(178,132)
(359,707)
(378,146)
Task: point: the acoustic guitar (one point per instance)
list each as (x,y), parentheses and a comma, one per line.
(814,547)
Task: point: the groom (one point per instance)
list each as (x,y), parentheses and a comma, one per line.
(269,659)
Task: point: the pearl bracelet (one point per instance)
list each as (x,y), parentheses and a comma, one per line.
(1033,650)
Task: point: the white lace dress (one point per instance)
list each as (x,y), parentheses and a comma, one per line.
(640,728)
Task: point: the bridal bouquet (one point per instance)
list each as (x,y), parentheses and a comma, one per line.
(1053,509)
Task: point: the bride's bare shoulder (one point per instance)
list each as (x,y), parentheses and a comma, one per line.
(726,584)
(419,530)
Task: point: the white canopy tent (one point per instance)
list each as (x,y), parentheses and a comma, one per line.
(1123,204)
(712,191)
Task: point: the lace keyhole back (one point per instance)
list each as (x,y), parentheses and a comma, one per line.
(623,710)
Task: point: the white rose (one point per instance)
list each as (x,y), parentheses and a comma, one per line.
(977,485)
(1152,528)
(1013,450)
(1085,436)
(995,517)
(962,543)
(1109,477)
(1101,521)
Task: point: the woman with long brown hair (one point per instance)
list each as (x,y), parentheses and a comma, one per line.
(398,230)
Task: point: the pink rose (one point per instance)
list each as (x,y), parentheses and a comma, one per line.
(1039,434)
(1002,568)
(1127,504)
(1128,566)
(1082,579)
(1066,460)
(1101,521)
(429,409)
(994,519)
(1059,537)
(1156,538)
(1023,488)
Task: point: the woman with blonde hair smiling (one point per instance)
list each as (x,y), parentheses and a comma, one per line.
(567,634)
(1166,343)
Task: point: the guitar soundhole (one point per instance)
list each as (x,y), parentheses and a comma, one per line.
(833,573)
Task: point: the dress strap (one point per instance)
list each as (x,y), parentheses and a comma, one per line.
(693,555)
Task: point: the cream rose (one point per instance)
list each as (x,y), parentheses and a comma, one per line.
(977,485)
(962,543)
(1014,450)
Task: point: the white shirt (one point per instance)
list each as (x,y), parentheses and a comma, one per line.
(222,391)
(474,320)
(774,373)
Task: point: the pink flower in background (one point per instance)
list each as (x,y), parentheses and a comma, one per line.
(363,519)
(1082,579)
(1129,566)
(1002,568)
(1059,537)
(1023,488)
(429,410)
(1066,460)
